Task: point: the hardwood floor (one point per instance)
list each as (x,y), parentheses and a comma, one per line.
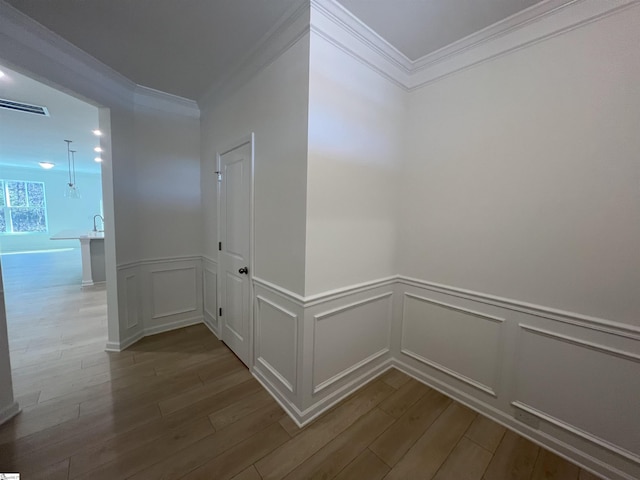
(181,405)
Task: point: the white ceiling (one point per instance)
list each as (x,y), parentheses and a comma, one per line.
(184,47)
(420,27)
(26,139)
(180,47)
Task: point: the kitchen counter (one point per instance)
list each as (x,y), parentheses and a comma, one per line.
(92,251)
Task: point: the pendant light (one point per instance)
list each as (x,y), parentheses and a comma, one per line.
(72,190)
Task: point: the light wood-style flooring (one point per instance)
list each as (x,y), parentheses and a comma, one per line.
(181,405)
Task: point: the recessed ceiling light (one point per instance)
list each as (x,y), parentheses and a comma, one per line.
(98,160)
(97,133)
(97,149)
(1,74)
(47,165)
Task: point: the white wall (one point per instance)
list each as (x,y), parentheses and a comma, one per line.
(522,175)
(62,213)
(273,105)
(8,407)
(168,208)
(356,123)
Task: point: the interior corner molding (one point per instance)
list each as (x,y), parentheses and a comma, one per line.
(539,22)
(27,41)
(153,99)
(563,316)
(291,27)
(205,258)
(272,287)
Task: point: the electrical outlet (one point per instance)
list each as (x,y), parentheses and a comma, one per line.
(527,418)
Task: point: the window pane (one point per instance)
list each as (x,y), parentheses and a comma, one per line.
(17,193)
(3,224)
(1,193)
(36,194)
(30,219)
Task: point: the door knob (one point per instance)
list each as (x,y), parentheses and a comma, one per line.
(243,270)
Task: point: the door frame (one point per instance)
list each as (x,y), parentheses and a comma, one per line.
(250,139)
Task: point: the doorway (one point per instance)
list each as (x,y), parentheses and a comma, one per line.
(52,321)
(235,246)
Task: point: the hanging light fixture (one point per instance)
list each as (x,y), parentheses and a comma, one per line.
(72,190)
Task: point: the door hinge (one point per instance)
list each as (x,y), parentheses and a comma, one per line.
(220,246)
(220,311)
(219,174)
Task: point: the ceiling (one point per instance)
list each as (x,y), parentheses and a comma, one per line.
(26,139)
(420,27)
(184,47)
(180,47)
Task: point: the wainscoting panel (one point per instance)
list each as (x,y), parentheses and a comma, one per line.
(173,292)
(349,337)
(583,386)
(431,327)
(132,294)
(130,310)
(276,342)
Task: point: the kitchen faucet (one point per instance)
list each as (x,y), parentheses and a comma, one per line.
(95,227)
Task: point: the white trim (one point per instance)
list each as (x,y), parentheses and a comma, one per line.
(340,375)
(582,343)
(158,260)
(455,308)
(173,325)
(283,292)
(539,22)
(257,350)
(572,318)
(272,370)
(153,99)
(291,28)
(577,431)
(211,327)
(120,346)
(9,412)
(458,376)
(152,296)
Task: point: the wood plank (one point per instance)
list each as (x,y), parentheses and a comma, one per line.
(240,409)
(338,453)
(129,462)
(313,438)
(181,462)
(249,473)
(468,460)
(236,459)
(514,459)
(428,454)
(550,466)
(183,400)
(399,438)
(486,433)
(584,475)
(394,378)
(366,466)
(400,401)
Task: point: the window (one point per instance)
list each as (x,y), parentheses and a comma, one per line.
(22,207)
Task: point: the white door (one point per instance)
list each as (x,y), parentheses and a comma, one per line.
(234,223)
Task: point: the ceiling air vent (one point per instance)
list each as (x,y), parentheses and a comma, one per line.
(23,107)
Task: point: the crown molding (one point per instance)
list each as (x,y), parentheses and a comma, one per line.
(29,47)
(153,99)
(292,27)
(549,18)
(536,24)
(38,52)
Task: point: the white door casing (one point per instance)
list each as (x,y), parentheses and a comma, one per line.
(235,167)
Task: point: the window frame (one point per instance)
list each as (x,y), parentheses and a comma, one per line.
(7,208)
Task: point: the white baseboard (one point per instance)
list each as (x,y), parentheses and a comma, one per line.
(9,412)
(210,326)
